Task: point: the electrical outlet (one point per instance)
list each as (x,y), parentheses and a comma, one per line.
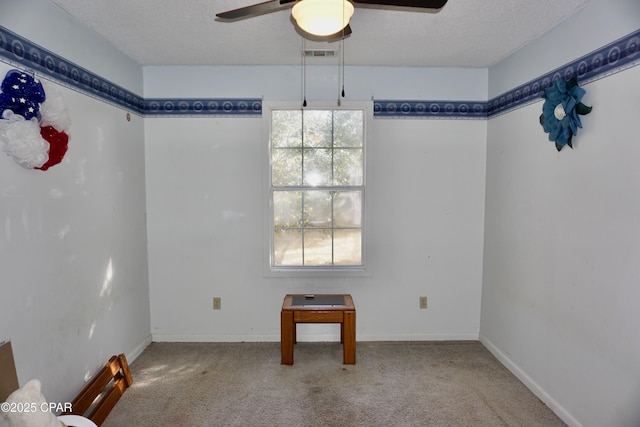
(423,302)
(217,303)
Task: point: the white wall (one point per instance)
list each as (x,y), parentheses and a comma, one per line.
(562,240)
(49,26)
(73,263)
(204,201)
(285,82)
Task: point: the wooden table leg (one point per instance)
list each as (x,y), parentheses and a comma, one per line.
(295,332)
(286,337)
(349,337)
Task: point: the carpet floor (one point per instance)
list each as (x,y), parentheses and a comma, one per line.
(391,384)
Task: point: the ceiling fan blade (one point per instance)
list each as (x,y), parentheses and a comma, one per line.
(423,4)
(254,10)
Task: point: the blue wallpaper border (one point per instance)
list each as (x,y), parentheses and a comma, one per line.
(202,107)
(612,58)
(20,51)
(616,56)
(16,50)
(430,109)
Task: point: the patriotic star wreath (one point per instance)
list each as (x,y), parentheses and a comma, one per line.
(33,125)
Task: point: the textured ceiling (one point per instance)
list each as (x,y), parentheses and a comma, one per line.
(465,33)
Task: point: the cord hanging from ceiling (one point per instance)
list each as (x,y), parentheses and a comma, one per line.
(341,66)
(304,72)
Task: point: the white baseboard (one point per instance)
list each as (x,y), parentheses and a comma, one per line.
(159,337)
(535,388)
(462,336)
(312,337)
(133,355)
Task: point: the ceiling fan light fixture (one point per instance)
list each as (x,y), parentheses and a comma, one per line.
(322,17)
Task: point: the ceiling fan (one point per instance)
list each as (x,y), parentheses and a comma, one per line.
(325,19)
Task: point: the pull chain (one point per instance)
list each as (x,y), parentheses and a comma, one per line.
(341,66)
(343,63)
(304,72)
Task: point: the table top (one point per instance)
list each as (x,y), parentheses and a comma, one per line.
(316,302)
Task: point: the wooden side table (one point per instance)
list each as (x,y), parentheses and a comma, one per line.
(325,308)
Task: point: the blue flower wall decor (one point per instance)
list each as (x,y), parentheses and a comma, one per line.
(561,111)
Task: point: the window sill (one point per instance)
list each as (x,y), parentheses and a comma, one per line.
(317,272)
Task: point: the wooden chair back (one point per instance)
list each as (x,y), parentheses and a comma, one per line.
(103,391)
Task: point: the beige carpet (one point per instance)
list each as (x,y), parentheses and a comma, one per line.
(392,384)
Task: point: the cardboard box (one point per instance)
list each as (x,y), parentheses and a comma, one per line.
(8,374)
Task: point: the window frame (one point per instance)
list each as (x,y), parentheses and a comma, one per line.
(271,270)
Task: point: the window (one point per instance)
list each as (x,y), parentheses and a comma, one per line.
(317,190)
